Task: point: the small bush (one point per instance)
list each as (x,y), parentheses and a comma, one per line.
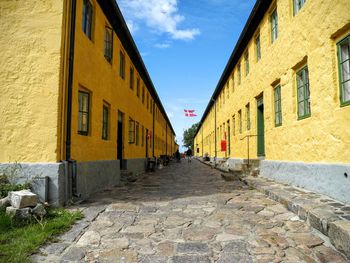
(7,187)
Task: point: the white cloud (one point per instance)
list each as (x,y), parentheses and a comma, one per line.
(162,45)
(160,15)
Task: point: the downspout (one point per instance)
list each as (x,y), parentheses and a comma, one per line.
(71,163)
(166,139)
(153,131)
(215,129)
(70,82)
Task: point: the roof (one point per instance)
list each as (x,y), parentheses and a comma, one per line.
(111,9)
(252,24)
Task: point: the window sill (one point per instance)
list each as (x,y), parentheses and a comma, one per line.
(278,125)
(303,117)
(83,133)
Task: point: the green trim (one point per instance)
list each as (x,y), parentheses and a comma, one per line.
(274,25)
(304,117)
(305,83)
(277,100)
(340,74)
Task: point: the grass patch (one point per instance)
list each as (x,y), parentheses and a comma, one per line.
(18,240)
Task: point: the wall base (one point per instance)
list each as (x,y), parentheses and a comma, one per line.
(136,166)
(95,176)
(328,179)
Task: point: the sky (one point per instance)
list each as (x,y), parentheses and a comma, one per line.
(185,45)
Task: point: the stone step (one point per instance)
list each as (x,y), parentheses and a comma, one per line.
(324,214)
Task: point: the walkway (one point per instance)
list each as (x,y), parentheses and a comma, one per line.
(187,213)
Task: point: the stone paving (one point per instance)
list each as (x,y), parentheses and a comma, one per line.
(187,213)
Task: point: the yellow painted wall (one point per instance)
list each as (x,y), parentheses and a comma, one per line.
(29,79)
(310,37)
(92,72)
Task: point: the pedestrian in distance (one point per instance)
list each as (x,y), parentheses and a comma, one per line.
(189,155)
(177,156)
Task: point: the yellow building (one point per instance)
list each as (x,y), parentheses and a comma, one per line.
(77,103)
(284,96)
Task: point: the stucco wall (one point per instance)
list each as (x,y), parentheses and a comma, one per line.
(310,37)
(29,79)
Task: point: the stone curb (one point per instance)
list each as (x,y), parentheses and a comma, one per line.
(330,217)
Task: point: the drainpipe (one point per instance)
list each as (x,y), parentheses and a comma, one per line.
(153,131)
(71,170)
(70,81)
(166,139)
(215,130)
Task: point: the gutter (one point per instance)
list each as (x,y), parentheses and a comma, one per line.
(153,133)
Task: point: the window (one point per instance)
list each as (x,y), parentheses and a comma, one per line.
(228,88)
(303,93)
(274,25)
(87,18)
(344,68)
(258,47)
(240,120)
(247,107)
(147,101)
(277,103)
(84,110)
(137,133)
(138,87)
(105,122)
(223,96)
(108,44)
(131,131)
(298,4)
(131,78)
(233,82)
(246,60)
(143,94)
(151,106)
(142,136)
(239,74)
(121,65)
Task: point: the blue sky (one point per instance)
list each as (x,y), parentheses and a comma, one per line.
(185,45)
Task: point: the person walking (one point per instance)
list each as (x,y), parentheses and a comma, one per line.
(189,155)
(177,156)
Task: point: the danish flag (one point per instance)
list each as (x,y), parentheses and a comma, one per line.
(190,113)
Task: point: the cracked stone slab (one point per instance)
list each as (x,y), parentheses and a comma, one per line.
(339,234)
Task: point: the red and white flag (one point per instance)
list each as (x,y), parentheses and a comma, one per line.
(190,113)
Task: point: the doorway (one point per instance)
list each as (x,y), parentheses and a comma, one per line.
(261,126)
(120,141)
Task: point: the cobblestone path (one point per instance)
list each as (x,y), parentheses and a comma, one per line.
(187,213)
